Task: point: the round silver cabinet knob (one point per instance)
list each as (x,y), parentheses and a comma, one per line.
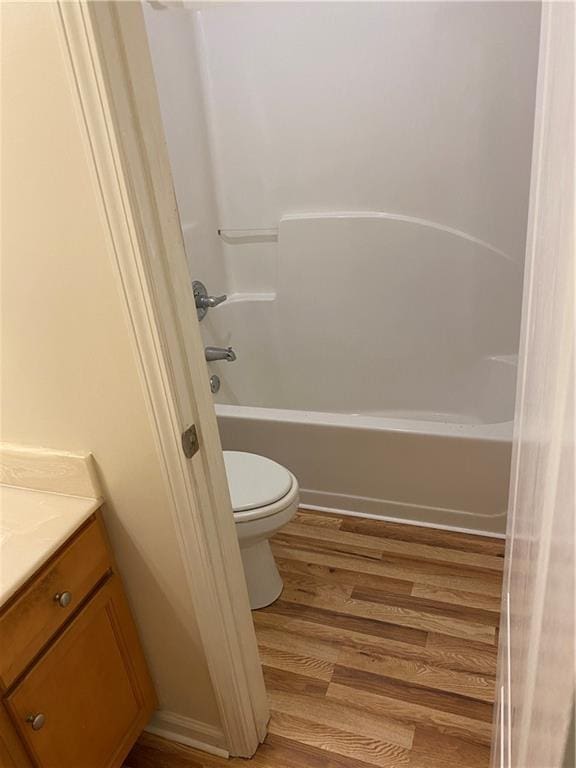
(63,599)
(36,721)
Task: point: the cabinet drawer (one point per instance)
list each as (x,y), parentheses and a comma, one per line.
(35,615)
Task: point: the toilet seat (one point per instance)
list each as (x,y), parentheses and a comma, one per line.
(265,498)
(259,487)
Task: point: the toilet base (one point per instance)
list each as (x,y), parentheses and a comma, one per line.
(263,580)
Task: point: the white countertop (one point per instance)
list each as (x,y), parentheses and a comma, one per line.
(33,525)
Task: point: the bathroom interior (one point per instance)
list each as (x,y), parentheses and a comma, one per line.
(352,183)
(330,204)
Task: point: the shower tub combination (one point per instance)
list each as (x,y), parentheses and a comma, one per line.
(381,371)
(376,351)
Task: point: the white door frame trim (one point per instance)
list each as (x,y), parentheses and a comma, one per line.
(110,66)
(535,678)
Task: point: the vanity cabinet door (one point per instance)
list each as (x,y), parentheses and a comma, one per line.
(86,700)
(36,615)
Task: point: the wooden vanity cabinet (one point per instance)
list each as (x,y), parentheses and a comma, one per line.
(79,694)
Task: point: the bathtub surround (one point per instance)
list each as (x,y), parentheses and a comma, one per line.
(419,109)
(379,315)
(366,166)
(175,59)
(387,390)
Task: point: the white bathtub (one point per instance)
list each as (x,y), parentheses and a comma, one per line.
(380,369)
(454,475)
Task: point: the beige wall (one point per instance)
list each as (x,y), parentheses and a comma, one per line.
(70,378)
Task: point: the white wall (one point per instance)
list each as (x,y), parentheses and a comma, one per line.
(70,378)
(418,109)
(422,109)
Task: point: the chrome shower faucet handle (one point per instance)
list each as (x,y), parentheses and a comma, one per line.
(203,301)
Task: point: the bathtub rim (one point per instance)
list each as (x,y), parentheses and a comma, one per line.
(442,500)
(498,431)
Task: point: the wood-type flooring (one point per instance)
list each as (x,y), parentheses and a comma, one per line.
(381,650)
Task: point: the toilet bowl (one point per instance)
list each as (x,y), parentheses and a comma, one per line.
(264,498)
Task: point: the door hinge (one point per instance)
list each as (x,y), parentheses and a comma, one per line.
(190,444)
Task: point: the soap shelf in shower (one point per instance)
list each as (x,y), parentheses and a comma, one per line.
(254,235)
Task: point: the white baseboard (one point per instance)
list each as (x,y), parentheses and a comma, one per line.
(185,730)
(399,519)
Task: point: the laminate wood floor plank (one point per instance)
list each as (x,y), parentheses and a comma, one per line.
(427,605)
(441,568)
(381,650)
(390,614)
(338,715)
(344,743)
(305,755)
(412,549)
(146,756)
(447,723)
(473,686)
(321,520)
(293,682)
(397,568)
(474,661)
(304,645)
(303,537)
(308,666)
(458,597)
(312,757)
(314,585)
(407,566)
(350,622)
(413,693)
(458,646)
(434,750)
(464,542)
(325,574)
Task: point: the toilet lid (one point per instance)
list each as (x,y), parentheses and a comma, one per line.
(255,481)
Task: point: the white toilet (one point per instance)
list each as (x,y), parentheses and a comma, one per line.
(264,498)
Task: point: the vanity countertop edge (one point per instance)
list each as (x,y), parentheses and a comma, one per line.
(34,524)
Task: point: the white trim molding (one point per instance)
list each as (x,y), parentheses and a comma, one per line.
(403,519)
(187,731)
(537,654)
(113,76)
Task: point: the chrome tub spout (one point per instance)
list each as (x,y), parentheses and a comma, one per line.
(219,353)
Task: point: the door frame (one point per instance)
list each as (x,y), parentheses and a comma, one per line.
(110,66)
(535,682)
